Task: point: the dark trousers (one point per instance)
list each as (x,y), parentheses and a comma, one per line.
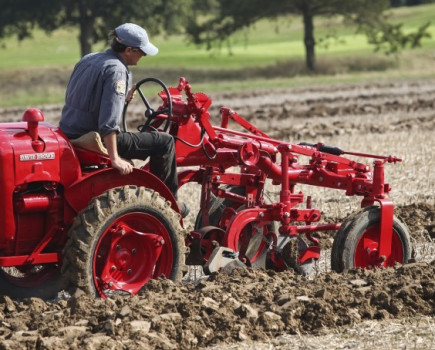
(159,146)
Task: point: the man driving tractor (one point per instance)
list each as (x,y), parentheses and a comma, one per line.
(99,87)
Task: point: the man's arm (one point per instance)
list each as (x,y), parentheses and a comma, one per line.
(117,162)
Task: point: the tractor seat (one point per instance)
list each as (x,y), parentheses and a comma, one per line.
(91,151)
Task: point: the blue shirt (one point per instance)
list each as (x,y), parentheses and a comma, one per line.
(95,95)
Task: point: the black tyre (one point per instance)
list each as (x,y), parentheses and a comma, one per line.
(41,281)
(124,238)
(217,207)
(339,240)
(357,241)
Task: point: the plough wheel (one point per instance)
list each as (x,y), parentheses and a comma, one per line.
(124,238)
(218,206)
(357,241)
(210,236)
(253,238)
(291,253)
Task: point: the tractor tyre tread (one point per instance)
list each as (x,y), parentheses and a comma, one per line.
(85,231)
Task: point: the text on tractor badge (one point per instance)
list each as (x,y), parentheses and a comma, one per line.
(36,156)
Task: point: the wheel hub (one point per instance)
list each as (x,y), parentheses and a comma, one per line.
(367,250)
(128,255)
(129,269)
(123,259)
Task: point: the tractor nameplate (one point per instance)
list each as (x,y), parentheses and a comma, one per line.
(36,156)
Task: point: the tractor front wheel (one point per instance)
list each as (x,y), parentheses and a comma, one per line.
(357,241)
(41,281)
(124,238)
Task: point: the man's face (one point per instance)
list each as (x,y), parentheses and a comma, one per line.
(133,55)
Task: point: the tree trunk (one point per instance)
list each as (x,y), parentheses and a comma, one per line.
(86,28)
(310,57)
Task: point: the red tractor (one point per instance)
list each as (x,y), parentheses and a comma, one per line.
(69,219)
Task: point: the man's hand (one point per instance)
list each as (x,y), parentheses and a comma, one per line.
(130,95)
(118,163)
(122,166)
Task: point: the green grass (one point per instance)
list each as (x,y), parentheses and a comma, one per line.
(36,70)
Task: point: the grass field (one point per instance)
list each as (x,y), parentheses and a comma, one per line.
(35,71)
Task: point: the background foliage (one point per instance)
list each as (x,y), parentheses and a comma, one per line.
(270,53)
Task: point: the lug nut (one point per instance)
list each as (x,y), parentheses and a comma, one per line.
(133,251)
(129,272)
(113,268)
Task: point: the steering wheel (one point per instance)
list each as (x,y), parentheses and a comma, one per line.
(150,113)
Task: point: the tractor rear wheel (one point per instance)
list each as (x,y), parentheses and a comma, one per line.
(125,237)
(356,243)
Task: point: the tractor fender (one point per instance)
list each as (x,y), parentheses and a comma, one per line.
(80,193)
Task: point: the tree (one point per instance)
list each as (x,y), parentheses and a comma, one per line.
(95,18)
(218,19)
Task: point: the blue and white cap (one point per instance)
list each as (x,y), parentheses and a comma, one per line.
(131,34)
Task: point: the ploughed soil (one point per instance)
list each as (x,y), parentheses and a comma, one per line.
(248,308)
(244,305)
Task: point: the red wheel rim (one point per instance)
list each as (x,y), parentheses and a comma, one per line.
(366,252)
(244,241)
(248,246)
(135,248)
